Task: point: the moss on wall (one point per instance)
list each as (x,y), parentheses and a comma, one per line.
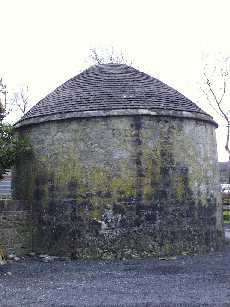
(110,187)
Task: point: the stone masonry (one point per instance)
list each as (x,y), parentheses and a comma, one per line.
(122,186)
(123,166)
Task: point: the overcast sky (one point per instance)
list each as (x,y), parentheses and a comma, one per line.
(46,42)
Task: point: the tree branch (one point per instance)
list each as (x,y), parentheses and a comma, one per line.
(221,111)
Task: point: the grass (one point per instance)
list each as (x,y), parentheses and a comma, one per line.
(226,216)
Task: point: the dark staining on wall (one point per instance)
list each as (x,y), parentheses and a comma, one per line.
(130,196)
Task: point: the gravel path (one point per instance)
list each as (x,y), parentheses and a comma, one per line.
(184,281)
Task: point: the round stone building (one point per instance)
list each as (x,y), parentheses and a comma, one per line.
(122,166)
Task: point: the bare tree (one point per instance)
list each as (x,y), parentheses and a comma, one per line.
(108,56)
(21,100)
(216,88)
(3,93)
(16,104)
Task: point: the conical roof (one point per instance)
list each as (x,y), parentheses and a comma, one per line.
(110,87)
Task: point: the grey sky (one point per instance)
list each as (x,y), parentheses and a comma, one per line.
(46,42)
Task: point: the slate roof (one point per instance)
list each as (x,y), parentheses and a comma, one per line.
(111,87)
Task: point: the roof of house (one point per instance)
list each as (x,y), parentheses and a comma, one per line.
(111,87)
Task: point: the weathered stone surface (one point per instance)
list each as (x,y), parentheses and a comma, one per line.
(122,186)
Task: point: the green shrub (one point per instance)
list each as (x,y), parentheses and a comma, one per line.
(11,146)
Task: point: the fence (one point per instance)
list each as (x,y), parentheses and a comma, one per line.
(5,186)
(226,207)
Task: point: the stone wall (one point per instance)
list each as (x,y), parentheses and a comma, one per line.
(122,186)
(15,227)
(224,168)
